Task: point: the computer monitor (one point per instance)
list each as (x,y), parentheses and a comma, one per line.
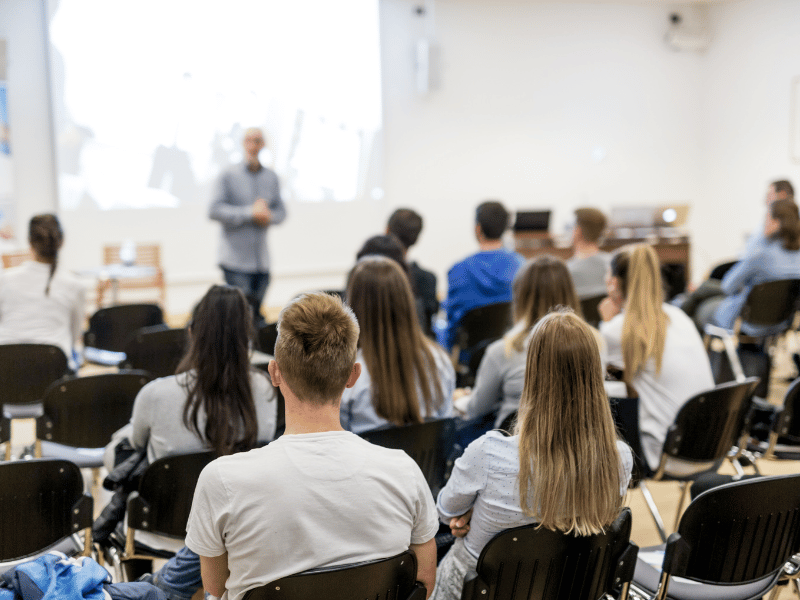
(532,221)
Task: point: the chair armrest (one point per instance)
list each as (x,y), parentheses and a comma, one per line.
(626,565)
(418,593)
(676,556)
(717,331)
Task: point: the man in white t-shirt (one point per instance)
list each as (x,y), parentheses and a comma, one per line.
(317,496)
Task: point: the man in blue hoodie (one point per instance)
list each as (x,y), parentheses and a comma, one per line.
(483,278)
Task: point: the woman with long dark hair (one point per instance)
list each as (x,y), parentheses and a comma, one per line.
(39,303)
(405,377)
(216,400)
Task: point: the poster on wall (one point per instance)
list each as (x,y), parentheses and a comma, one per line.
(6,183)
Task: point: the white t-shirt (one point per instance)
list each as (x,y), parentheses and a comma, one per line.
(307,501)
(28,316)
(685,372)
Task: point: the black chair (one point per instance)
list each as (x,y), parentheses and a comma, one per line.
(26,370)
(625,412)
(267,336)
(161,506)
(784,435)
(110,329)
(82,413)
(478,328)
(706,429)
(589,308)
(733,540)
(721,269)
(528,562)
(430,444)
(771,305)
(42,503)
(392,578)
(157,350)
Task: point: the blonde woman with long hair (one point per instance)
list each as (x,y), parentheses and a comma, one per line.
(563,468)
(655,344)
(405,377)
(539,286)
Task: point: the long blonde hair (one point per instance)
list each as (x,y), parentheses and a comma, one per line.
(644,328)
(398,357)
(569,476)
(540,285)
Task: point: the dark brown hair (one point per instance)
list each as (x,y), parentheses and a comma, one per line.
(493,219)
(405,224)
(784,186)
(219,382)
(785,212)
(45,237)
(398,357)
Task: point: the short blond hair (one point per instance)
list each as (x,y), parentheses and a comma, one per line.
(316,347)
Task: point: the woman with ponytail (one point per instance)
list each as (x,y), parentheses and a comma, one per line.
(563,468)
(39,303)
(655,344)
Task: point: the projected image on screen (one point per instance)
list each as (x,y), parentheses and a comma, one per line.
(151,98)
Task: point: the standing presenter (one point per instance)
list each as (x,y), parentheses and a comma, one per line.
(246,202)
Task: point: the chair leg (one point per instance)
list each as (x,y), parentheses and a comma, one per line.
(684,492)
(651,505)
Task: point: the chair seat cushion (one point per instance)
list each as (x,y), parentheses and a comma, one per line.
(647,577)
(85,458)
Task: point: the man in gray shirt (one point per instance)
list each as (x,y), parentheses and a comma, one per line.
(588,265)
(246,202)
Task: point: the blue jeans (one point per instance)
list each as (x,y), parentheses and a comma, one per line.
(254,286)
(179,578)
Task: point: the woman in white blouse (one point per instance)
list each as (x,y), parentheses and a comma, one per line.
(548,471)
(39,303)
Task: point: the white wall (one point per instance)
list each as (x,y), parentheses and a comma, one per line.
(531,95)
(746,119)
(529,90)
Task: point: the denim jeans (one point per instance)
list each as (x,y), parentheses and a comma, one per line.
(254,286)
(180,577)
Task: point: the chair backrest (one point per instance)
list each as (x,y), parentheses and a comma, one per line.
(787,420)
(110,328)
(14,259)
(429,444)
(385,579)
(26,370)
(157,350)
(164,498)
(719,271)
(483,323)
(771,303)
(148,255)
(589,308)
(84,412)
(526,562)
(41,503)
(267,336)
(710,423)
(738,532)
(626,418)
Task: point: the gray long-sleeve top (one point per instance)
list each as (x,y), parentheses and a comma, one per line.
(243,244)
